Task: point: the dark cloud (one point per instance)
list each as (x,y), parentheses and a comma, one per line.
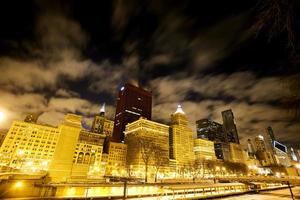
(73,62)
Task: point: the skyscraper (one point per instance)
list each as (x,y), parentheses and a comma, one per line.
(208,129)
(271,133)
(132,103)
(231,134)
(260,143)
(101,124)
(250,148)
(181,138)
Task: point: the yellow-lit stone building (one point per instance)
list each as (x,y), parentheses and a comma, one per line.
(29,145)
(116,159)
(101,124)
(181,138)
(204,149)
(88,155)
(65,151)
(143,137)
(236,153)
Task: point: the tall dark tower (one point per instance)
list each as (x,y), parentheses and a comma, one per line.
(229,127)
(271,134)
(132,103)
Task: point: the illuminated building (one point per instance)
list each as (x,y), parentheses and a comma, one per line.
(101,124)
(222,151)
(260,143)
(116,160)
(236,153)
(293,155)
(29,145)
(181,138)
(132,103)
(229,127)
(143,137)
(63,151)
(281,154)
(88,155)
(250,149)
(208,129)
(265,157)
(32,117)
(204,149)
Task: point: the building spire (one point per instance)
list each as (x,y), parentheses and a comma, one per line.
(179,109)
(102,109)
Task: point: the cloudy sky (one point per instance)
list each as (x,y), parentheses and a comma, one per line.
(59,57)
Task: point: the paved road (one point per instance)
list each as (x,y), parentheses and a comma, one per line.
(268,195)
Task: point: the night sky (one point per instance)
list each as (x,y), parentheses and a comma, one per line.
(59,57)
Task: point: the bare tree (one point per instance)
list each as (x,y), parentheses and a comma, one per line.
(194,168)
(159,160)
(147,148)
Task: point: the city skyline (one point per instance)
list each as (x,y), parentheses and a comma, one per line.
(60,61)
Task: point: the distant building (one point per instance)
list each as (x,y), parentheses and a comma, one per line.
(264,155)
(281,154)
(260,143)
(230,130)
(266,158)
(32,117)
(181,138)
(143,137)
(271,133)
(250,149)
(204,150)
(101,124)
(236,153)
(222,151)
(132,103)
(3,134)
(208,129)
(293,155)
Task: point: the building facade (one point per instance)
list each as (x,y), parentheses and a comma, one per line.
(208,129)
(116,159)
(236,153)
(222,151)
(101,124)
(88,155)
(260,144)
(181,138)
(132,103)
(204,150)
(229,127)
(147,144)
(29,145)
(65,151)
